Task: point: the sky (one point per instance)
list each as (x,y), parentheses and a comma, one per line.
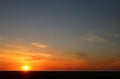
(60,34)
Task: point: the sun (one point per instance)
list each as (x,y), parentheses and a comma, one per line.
(26,68)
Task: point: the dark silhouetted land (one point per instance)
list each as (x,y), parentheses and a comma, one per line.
(59,74)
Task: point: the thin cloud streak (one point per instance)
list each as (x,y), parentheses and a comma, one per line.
(40,45)
(94,38)
(114,35)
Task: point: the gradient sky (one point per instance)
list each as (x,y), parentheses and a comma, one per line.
(60,34)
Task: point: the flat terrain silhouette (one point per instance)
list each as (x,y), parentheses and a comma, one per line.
(58,74)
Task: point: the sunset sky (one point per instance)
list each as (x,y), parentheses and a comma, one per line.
(60,34)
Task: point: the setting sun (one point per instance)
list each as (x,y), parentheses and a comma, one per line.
(26,67)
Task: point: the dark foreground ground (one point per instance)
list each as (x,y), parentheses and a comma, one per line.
(59,75)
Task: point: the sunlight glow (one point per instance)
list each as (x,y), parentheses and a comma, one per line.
(25,67)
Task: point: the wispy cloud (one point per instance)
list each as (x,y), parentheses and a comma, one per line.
(81,54)
(39,45)
(114,35)
(40,56)
(115,64)
(94,38)
(43,54)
